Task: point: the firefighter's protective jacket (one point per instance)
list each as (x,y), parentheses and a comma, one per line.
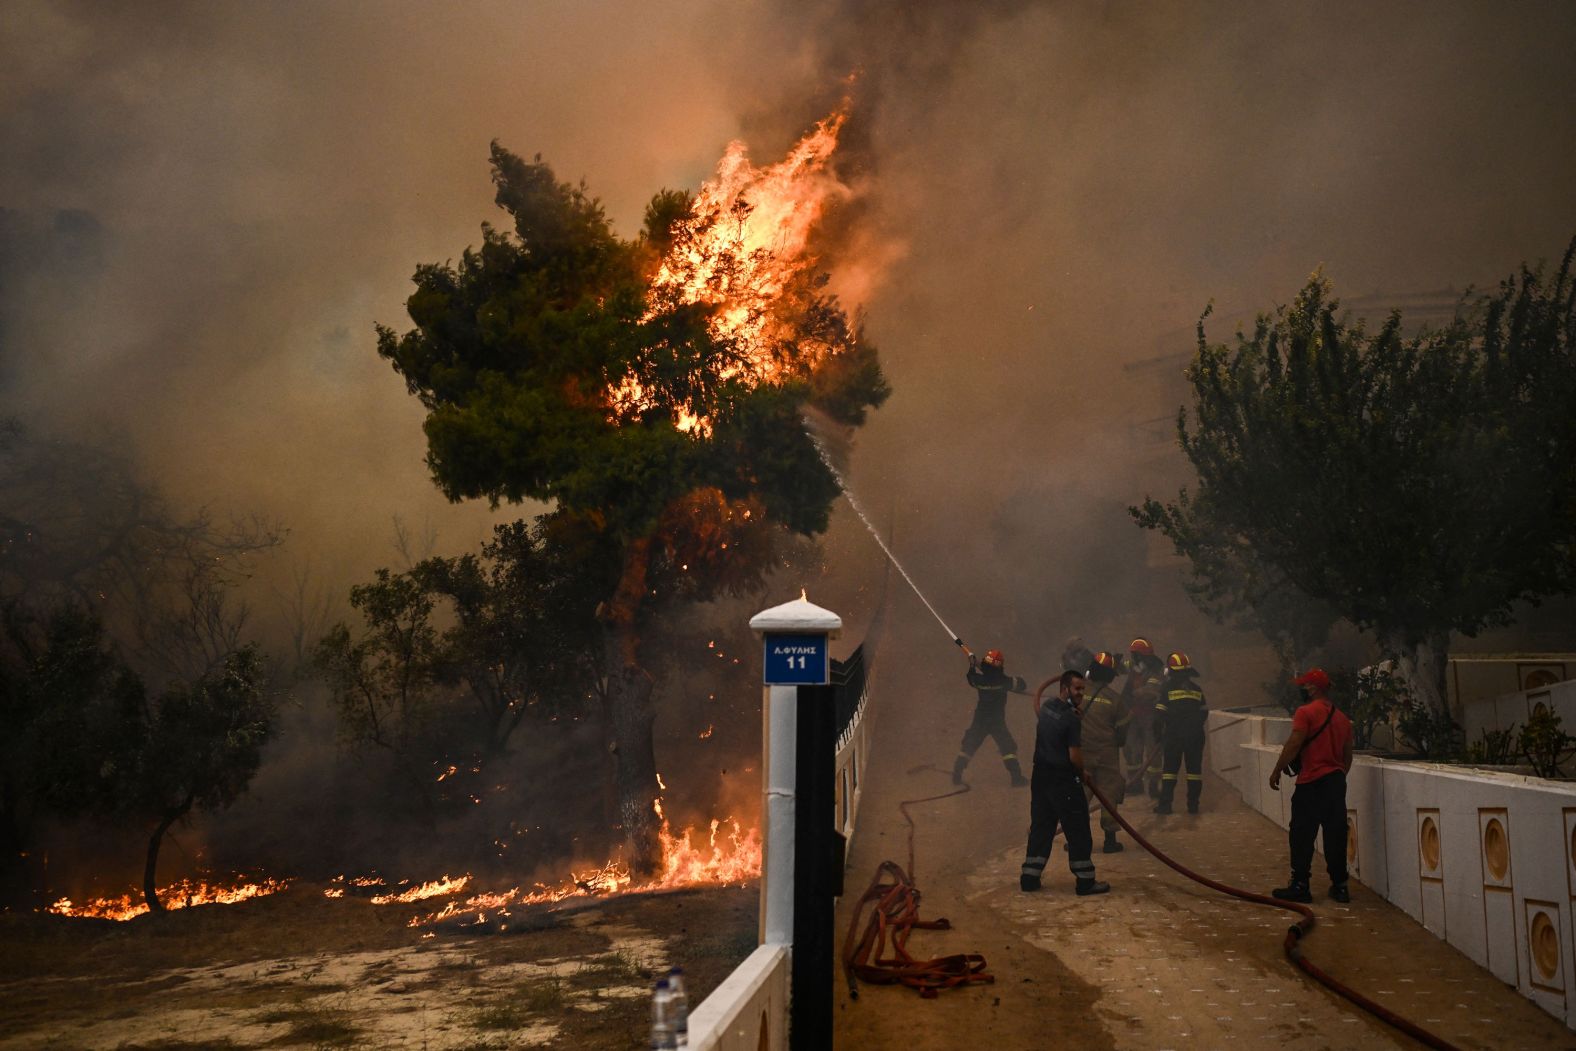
(993,685)
(1105,719)
(1143,688)
(1182,711)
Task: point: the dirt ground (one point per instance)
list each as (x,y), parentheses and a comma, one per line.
(299,970)
(1160,962)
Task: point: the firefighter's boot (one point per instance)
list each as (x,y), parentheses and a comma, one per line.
(1296,890)
(1111,845)
(1168,787)
(958,766)
(1088,886)
(1011,763)
(1195,788)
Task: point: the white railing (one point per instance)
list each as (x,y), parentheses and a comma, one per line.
(1484,860)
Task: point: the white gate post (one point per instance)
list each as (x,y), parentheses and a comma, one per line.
(808,623)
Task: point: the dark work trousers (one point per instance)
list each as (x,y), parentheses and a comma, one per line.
(990,720)
(1056,797)
(1319,805)
(1183,749)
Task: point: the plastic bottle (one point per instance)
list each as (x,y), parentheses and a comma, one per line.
(678,1007)
(662,1037)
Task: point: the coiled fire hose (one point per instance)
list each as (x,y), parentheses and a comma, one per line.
(895,915)
(1294,934)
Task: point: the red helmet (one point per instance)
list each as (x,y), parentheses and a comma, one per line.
(1141,646)
(1103,668)
(1178,662)
(993,657)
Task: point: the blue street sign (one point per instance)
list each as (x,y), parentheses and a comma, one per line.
(797,660)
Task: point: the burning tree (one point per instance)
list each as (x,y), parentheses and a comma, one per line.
(650,389)
(1418,486)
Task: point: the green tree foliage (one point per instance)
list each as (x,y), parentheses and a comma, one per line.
(514,353)
(1546,746)
(457,652)
(201,743)
(104,590)
(63,694)
(1416,486)
(85,740)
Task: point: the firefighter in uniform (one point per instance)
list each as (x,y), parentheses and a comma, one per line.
(1141,692)
(1179,723)
(990,679)
(1056,794)
(1105,723)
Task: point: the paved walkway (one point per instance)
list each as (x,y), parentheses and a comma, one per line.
(1160,962)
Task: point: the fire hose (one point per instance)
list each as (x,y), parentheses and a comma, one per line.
(1294,934)
(896,914)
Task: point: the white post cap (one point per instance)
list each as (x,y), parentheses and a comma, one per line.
(799,617)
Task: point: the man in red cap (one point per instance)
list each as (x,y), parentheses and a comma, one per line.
(1319,752)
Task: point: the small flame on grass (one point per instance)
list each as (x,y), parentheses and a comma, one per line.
(178,895)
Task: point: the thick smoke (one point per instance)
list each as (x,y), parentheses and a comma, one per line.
(204,208)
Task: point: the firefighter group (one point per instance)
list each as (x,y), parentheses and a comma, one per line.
(1128,724)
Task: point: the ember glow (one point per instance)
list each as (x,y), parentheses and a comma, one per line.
(178,895)
(730,854)
(745,242)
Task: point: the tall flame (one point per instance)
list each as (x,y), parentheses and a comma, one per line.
(731,854)
(745,241)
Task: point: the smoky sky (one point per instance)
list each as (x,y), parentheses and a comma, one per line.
(205,207)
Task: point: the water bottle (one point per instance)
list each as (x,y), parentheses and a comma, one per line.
(678,1007)
(662,1038)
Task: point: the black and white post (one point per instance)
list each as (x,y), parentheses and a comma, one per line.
(799,877)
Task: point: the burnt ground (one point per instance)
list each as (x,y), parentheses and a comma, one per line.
(297,969)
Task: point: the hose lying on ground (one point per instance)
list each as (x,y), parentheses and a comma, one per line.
(1294,935)
(895,915)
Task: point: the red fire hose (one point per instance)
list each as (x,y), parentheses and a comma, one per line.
(896,914)
(1294,934)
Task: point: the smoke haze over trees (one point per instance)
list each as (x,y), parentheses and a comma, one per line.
(206,207)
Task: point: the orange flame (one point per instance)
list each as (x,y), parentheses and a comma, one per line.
(178,895)
(730,855)
(744,243)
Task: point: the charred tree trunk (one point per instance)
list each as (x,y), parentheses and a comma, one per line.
(630,715)
(149,884)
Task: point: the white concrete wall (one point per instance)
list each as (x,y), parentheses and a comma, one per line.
(1484,860)
(1512,709)
(749,1010)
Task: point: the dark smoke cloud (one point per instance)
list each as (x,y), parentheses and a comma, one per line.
(204,207)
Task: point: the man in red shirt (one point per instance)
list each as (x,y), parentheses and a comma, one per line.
(1321,742)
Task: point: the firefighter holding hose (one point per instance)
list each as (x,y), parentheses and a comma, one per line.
(1179,724)
(1105,721)
(992,683)
(1056,796)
